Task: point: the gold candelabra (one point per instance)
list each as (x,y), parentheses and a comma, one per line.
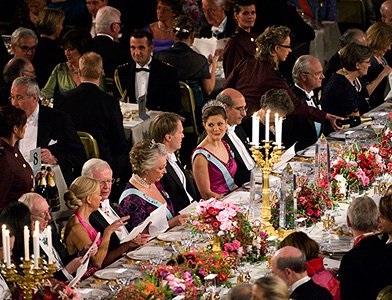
(31,276)
(265,162)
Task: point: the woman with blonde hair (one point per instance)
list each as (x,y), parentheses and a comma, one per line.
(84,196)
(270,288)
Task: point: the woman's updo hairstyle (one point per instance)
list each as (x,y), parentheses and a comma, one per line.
(183,27)
(80,188)
(144,155)
(213,108)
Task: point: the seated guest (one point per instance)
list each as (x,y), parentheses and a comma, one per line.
(276,101)
(16,67)
(256,75)
(144,192)
(242,43)
(162,30)
(166,128)
(220,25)
(39,210)
(97,113)
(106,215)
(84,197)
(16,174)
(93,7)
(235,135)
(146,78)
(50,129)
(65,75)
(341,95)
(379,37)
(366,268)
(385,215)
(193,68)
(307,76)
(270,287)
(214,165)
(314,262)
(289,263)
(240,292)
(23,43)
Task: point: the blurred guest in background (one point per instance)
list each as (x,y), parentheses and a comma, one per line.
(270,287)
(23,43)
(214,165)
(385,213)
(93,6)
(240,292)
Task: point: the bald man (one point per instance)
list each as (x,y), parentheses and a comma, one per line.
(289,263)
(235,136)
(386,11)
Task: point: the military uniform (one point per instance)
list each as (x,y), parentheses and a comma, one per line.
(16,175)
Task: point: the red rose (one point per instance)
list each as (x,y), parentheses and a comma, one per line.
(309,211)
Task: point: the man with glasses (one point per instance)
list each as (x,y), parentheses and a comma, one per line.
(23,43)
(307,76)
(235,136)
(219,24)
(106,215)
(40,212)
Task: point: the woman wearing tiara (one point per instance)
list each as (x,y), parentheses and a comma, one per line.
(144,193)
(213,162)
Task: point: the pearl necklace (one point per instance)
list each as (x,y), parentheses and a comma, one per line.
(140,181)
(160,27)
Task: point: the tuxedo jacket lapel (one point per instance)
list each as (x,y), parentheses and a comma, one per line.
(172,173)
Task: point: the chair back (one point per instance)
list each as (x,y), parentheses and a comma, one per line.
(352,12)
(90,144)
(385,293)
(188,108)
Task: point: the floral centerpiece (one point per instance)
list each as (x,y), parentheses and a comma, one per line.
(312,200)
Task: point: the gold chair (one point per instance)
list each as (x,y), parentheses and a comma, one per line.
(188,107)
(90,144)
(385,293)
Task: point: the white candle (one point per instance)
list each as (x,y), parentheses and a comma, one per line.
(36,227)
(3,229)
(267,124)
(8,248)
(36,249)
(50,256)
(255,130)
(26,236)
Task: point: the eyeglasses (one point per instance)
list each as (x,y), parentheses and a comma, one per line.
(46,215)
(366,61)
(106,182)
(26,49)
(17,98)
(241,109)
(210,10)
(285,46)
(317,74)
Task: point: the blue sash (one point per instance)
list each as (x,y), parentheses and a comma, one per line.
(150,200)
(212,159)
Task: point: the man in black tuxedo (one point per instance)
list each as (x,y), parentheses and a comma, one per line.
(106,215)
(166,128)
(48,128)
(307,76)
(148,78)
(235,136)
(366,269)
(106,44)
(97,113)
(289,263)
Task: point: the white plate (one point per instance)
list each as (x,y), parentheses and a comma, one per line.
(145,253)
(363,133)
(116,273)
(89,293)
(170,236)
(240,197)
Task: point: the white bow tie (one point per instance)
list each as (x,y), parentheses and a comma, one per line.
(230,128)
(171,158)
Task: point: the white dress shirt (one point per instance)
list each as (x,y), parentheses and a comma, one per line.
(221,28)
(110,216)
(239,145)
(172,159)
(29,142)
(141,80)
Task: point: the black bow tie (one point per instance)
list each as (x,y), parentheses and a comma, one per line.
(142,69)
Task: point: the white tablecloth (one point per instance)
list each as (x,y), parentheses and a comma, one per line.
(137,129)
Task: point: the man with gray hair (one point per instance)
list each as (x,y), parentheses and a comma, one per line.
(307,76)
(289,263)
(105,43)
(23,43)
(220,25)
(365,269)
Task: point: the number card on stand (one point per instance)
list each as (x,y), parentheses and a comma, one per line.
(35,159)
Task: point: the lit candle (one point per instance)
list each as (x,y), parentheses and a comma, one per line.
(255,130)
(26,236)
(50,256)
(267,125)
(36,249)
(36,227)
(3,229)
(8,248)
